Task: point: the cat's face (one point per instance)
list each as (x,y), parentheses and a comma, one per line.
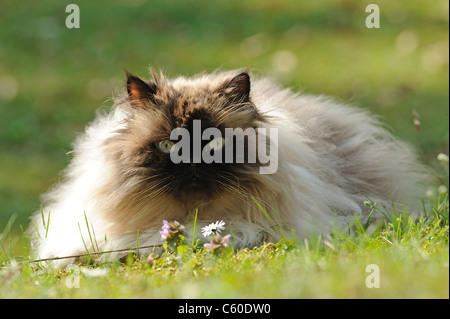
(158,107)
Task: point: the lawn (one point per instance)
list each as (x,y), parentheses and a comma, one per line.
(402,258)
(53,79)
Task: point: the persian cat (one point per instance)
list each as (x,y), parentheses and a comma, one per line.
(122,182)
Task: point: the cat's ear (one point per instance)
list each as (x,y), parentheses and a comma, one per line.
(140,90)
(238,88)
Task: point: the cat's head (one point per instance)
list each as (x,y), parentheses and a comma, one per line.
(141,152)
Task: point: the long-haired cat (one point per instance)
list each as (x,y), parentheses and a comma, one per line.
(331,158)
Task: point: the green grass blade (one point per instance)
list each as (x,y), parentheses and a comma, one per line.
(95,238)
(42,216)
(89,232)
(268,216)
(35,228)
(195,227)
(48,224)
(84,243)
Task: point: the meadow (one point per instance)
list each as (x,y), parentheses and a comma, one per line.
(54,79)
(400,258)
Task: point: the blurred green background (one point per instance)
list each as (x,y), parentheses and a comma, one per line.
(53,79)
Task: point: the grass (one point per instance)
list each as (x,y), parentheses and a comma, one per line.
(412,257)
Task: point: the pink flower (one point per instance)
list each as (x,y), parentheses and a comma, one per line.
(170,230)
(218,242)
(150,260)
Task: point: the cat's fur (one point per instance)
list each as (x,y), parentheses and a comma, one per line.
(331,158)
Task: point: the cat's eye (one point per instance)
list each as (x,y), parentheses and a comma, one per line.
(217,143)
(165,146)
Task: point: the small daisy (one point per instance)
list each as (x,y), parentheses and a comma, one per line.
(443,158)
(442,189)
(213,228)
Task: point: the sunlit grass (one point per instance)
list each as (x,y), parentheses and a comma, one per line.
(412,256)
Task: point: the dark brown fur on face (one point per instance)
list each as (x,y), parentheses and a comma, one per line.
(158,108)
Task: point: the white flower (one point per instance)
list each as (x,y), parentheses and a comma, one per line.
(368,203)
(443,158)
(430,193)
(442,189)
(213,228)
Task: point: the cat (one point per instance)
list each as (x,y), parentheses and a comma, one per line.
(121,182)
